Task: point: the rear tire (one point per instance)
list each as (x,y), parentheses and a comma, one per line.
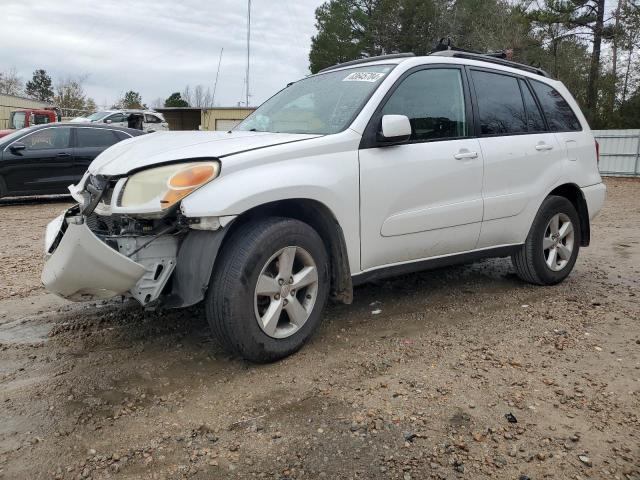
(268,289)
(551,249)
(3,188)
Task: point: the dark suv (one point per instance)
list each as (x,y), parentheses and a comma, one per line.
(46,159)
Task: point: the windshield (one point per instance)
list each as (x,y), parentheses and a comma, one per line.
(94,117)
(320,104)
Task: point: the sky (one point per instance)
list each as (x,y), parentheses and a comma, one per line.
(156,47)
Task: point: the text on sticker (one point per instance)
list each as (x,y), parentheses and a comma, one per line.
(363,77)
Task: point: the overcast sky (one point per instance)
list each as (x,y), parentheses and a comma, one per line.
(156,47)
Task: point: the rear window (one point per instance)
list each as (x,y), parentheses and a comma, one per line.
(95,137)
(558,112)
(499,104)
(40,119)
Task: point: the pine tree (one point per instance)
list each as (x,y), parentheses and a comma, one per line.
(39,87)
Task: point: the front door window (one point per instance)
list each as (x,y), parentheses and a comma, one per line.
(433,99)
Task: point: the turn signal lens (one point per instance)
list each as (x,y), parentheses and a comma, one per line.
(192,177)
(185,181)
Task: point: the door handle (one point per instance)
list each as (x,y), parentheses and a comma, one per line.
(465,155)
(64,155)
(544,146)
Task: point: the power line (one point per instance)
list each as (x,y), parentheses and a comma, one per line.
(215,85)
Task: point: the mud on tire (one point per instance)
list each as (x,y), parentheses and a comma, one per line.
(233,306)
(532,261)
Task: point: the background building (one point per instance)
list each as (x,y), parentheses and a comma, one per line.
(191,118)
(10,103)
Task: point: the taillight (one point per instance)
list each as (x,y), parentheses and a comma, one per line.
(598,152)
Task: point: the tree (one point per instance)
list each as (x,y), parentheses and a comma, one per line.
(579,19)
(157,103)
(70,97)
(186,95)
(175,100)
(39,87)
(131,99)
(349,29)
(10,83)
(342,33)
(90,106)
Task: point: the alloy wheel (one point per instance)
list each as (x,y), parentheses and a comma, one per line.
(558,242)
(286,292)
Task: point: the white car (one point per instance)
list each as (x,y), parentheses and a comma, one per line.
(367,169)
(146,120)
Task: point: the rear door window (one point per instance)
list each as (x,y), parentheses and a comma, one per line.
(535,121)
(151,119)
(95,137)
(500,104)
(558,112)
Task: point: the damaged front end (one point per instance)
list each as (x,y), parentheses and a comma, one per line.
(97,249)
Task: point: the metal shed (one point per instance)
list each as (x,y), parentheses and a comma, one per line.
(195,118)
(10,103)
(224,118)
(181,118)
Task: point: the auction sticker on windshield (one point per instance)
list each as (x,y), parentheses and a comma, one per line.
(363,77)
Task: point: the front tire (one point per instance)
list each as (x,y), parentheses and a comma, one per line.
(551,249)
(268,289)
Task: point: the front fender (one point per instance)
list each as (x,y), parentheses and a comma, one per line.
(331,179)
(242,190)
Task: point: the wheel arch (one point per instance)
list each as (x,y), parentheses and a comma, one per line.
(319,217)
(573,193)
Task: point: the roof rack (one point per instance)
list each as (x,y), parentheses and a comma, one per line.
(494,57)
(367,60)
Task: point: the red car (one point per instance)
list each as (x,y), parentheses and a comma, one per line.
(27,118)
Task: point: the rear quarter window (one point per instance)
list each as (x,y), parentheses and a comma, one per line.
(560,116)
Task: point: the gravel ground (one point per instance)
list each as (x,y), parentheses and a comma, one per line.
(424,389)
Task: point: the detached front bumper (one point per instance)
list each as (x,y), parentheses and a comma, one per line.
(81,266)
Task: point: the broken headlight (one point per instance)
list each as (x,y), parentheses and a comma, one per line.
(164,186)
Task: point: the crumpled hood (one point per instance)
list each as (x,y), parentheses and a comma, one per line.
(163,147)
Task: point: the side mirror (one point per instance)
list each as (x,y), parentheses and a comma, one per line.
(107,121)
(395,128)
(17,147)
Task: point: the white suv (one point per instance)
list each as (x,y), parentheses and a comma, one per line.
(364,170)
(146,120)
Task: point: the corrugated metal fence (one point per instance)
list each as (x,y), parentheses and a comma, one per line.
(619,152)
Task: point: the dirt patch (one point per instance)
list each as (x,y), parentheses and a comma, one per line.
(421,390)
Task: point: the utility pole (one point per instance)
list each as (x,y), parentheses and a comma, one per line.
(248,46)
